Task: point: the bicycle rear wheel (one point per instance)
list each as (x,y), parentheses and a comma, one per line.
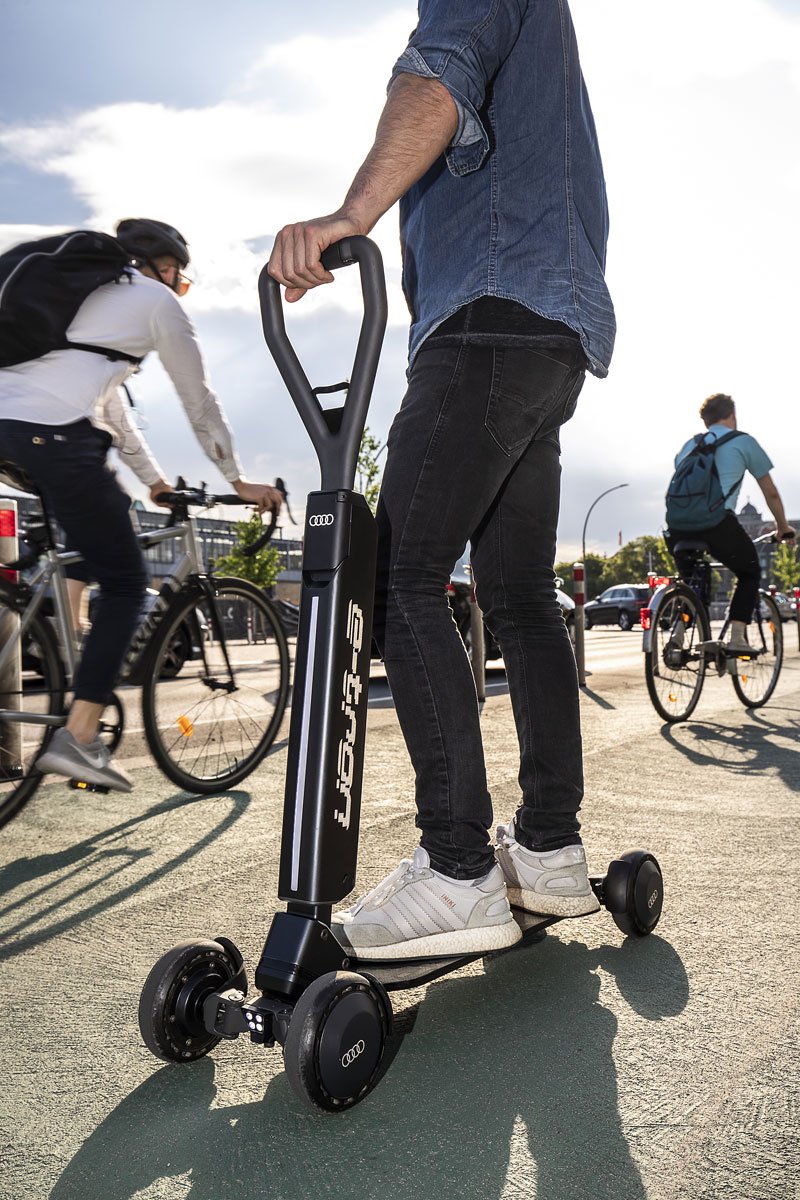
(35,686)
(674,667)
(757,676)
(210,723)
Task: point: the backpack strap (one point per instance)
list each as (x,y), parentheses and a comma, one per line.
(726,437)
(112,355)
(720,442)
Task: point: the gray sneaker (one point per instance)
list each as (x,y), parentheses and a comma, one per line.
(90,763)
(418,913)
(549,883)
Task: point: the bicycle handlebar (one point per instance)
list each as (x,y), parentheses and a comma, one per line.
(773,537)
(183,498)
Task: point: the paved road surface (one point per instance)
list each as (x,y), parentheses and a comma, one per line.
(585,1068)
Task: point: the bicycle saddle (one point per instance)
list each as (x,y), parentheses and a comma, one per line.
(690,544)
(15,477)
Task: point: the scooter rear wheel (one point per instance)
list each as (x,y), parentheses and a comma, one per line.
(634,892)
(336,1040)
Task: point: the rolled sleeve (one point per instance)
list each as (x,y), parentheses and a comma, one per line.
(757,460)
(463,44)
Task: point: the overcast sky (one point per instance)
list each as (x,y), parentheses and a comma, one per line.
(230,120)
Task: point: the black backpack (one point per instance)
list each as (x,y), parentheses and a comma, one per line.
(695,496)
(42,286)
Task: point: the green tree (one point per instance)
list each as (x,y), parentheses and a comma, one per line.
(593,569)
(260,568)
(785,566)
(368,469)
(633,562)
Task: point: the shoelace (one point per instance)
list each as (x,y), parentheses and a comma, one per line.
(504,838)
(403,874)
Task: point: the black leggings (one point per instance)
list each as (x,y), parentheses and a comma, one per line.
(730,544)
(68,465)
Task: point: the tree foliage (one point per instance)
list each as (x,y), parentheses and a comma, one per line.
(368,469)
(261,568)
(631,564)
(786,567)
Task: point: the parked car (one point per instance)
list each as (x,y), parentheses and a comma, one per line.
(459,590)
(618,605)
(787,606)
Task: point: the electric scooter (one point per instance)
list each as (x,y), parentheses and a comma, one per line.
(330,1013)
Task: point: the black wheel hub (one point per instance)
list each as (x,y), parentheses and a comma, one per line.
(183,1011)
(648,894)
(350,1043)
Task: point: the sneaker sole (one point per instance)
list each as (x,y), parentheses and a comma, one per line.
(51,763)
(553,906)
(481,940)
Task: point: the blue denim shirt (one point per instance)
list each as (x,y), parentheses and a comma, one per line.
(516,207)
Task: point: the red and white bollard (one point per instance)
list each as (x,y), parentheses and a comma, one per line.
(579,596)
(10,666)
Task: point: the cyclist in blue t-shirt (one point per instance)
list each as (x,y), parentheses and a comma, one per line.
(727,540)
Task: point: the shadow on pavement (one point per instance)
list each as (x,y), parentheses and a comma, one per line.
(78,867)
(522,1056)
(743,749)
(598,699)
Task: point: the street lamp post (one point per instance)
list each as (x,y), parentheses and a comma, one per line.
(586,522)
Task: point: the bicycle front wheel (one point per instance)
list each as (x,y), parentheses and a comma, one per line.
(212,710)
(32,686)
(757,675)
(674,665)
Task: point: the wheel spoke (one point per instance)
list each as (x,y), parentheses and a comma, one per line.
(205,737)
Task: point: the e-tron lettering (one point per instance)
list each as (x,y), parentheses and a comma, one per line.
(352,687)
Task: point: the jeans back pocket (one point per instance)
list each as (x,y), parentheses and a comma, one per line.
(531,392)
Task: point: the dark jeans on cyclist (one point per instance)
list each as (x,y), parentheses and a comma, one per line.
(731,545)
(474,457)
(68,465)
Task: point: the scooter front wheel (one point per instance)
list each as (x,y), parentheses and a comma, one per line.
(171,1004)
(336,1040)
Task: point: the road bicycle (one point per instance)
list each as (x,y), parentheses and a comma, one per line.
(210,657)
(679,648)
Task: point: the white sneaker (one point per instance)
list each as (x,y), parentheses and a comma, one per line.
(417,912)
(738,644)
(548,883)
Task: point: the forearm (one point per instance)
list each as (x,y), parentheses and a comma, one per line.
(775,505)
(416,126)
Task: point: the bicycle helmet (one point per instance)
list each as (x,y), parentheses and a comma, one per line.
(145,240)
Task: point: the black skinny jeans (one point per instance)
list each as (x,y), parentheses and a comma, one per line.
(68,465)
(474,456)
(731,545)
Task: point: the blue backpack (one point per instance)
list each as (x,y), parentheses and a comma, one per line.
(695,499)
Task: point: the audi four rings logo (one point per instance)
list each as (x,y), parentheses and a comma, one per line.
(320,519)
(353,1053)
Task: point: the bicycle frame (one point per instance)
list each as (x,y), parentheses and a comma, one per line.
(701,588)
(51,572)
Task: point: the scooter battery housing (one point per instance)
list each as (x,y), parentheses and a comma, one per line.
(329,701)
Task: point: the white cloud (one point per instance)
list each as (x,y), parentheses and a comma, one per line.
(285,149)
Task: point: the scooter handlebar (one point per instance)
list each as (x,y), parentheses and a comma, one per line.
(337,452)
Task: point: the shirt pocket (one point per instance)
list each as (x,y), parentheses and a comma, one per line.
(530,392)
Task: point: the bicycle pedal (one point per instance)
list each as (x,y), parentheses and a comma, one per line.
(82,785)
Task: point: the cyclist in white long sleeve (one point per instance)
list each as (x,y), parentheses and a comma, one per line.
(57,421)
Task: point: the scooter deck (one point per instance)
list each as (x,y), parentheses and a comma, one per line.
(396,974)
